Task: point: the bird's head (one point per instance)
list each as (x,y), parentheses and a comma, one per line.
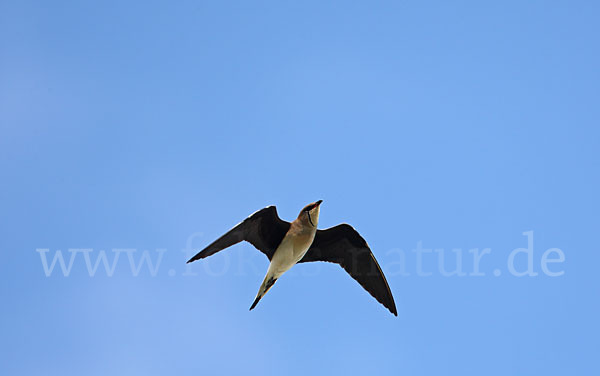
(310,213)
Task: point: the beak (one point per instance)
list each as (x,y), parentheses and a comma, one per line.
(319,202)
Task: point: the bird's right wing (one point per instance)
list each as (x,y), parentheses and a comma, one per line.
(263,229)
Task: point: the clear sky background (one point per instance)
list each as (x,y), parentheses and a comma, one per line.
(141,125)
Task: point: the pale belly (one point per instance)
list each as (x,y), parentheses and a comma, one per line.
(289,252)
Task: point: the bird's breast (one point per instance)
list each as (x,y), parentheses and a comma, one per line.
(291,250)
(302,243)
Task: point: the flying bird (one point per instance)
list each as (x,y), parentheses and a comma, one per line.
(286,244)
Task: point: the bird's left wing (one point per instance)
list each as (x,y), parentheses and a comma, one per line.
(263,229)
(343,245)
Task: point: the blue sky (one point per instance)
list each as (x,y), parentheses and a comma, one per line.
(155,126)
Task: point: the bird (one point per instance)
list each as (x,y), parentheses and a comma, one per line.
(286,244)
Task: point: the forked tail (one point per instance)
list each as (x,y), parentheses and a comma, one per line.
(266,285)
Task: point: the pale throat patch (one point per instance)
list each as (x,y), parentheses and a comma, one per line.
(314,217)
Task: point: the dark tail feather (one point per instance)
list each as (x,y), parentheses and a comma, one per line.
(263,290)
(255,302)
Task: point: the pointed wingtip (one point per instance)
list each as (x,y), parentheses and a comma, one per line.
(195,258)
